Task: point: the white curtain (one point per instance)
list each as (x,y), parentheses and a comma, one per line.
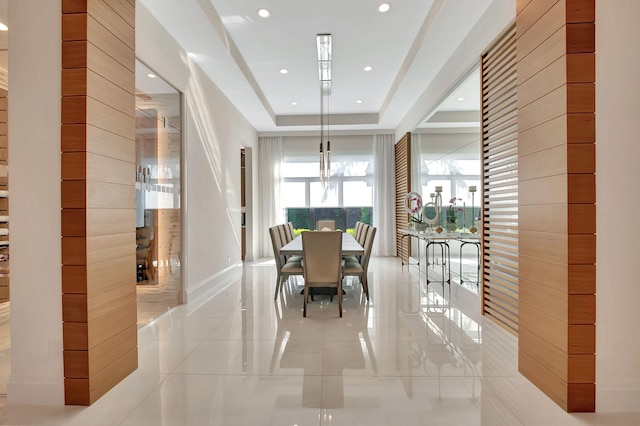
(416,184)
(384,198)
(270,162)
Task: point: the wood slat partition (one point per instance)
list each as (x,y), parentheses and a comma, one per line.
(403,181)
(556,104)
(500,182)
(98,197)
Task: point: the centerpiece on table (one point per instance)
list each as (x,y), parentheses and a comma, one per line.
(414,208)
(451,216)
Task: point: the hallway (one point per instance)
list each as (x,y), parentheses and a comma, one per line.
(238,358)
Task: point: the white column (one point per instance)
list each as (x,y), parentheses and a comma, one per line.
(34,203)
(618,205)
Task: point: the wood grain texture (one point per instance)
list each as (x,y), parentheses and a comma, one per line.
(556,75)
(98,196)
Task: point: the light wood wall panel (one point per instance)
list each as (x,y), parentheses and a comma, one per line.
(403,182)
(500,182)
(98,196)
(556,125)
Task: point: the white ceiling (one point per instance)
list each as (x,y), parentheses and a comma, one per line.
(243,54)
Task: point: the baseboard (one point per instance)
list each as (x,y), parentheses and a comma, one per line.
(35,390)
(210,286)
(617,400)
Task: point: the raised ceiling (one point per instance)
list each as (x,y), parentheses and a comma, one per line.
(243,53)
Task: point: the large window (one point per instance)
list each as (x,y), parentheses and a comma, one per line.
(348,197)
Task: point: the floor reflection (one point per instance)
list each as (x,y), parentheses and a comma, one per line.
(329,355)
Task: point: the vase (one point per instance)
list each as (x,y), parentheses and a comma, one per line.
(420,226)
(450,226)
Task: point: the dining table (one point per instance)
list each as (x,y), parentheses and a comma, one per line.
(350,247)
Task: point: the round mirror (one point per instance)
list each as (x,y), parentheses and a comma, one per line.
(413,203)
(430,214)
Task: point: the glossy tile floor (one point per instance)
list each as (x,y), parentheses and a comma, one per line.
(409,357)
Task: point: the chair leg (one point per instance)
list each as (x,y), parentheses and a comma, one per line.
(365,285)
(340,299)
(278,286)
(304,306)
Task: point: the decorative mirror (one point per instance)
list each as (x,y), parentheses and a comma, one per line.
(430,214)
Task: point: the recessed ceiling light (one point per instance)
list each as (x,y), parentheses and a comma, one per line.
(294,103)
(359,101)
(384,7)
(284,71)
(264,13)
(3,27)
(368,68)
(151,75)
(460,99)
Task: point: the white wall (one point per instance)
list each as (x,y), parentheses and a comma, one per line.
(618,205)
(497,17)
(214,134)
(34,203)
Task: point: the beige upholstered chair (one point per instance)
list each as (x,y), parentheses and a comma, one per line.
(285,268)
(322,224)
(363,234)
(357,230)
(358,267)
(289,228)
(322,264)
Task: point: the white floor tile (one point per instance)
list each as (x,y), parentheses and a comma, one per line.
(413,355)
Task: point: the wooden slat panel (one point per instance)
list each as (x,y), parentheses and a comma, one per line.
(403,179)
(499,181)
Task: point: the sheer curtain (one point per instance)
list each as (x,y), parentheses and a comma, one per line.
(384,199)
(270,161)
(416,184)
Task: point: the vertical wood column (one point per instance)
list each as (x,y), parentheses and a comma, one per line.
(98,196)
(556,132)
(403,182)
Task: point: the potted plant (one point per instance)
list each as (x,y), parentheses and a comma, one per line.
(416,214)
(451,217)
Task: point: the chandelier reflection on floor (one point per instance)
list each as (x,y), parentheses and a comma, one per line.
(324,71)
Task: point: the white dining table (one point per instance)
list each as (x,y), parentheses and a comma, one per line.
(350,246)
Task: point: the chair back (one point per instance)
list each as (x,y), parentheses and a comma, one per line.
(357,230)
(276,243)
(368,247)
(283,234)
(363,234)
(322,224)
(290,234)
(322,253)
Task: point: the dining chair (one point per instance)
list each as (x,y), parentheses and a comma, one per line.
(363,234)
(359,267)
(357,230)
(285,268)
(289,228)
(322,264)
(286,237)
(322,225)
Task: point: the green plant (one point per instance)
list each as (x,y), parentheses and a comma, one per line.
(299,231)
(452,209)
